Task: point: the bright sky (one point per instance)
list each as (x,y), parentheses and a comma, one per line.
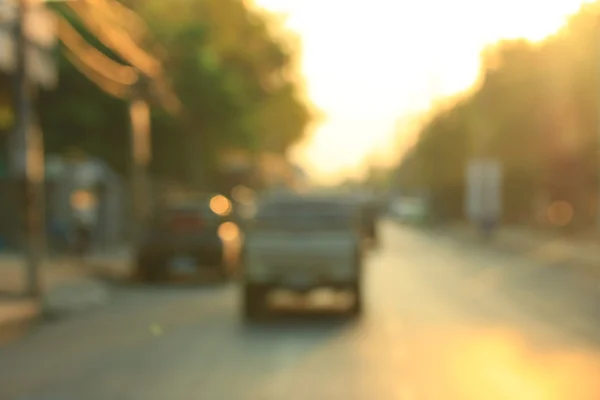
(368,64)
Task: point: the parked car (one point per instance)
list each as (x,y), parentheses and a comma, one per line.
(183,239)
(302,243)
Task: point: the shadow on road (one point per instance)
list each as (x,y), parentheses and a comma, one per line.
(128,280)
(315,326)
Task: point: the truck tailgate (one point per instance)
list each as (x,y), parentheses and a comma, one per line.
(285,255)
(303,245)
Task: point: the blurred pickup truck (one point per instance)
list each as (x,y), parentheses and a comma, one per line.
(302,243)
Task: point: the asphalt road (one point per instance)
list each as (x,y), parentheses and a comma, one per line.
(443,321)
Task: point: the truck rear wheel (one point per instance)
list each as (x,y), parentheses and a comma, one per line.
(224,272)
(150,269)
(356,308)
(253,302)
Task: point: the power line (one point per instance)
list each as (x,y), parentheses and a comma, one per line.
(92,57)
(119,41)
(111,87)
(123,16)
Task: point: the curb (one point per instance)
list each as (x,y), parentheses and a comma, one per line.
(63,298)
(75,296)
(575,319)
(587,275)
(587,267)
(18,317)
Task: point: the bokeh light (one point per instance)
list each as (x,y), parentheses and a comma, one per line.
(242,194)
(229,231)
(82,199)
(220,205)
(560,213)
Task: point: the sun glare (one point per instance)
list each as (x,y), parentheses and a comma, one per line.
(368,65)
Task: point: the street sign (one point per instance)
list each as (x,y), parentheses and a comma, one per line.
(483,197)
(40,31)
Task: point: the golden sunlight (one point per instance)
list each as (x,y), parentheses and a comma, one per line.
(366,66)
(500,365)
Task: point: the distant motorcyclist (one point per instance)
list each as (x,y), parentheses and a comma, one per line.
(84,222)
(82,233)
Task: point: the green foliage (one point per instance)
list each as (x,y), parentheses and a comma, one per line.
(232,69)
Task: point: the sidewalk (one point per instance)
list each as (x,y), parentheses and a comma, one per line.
(16,315)
(562,285)
(67,286)
(580,253)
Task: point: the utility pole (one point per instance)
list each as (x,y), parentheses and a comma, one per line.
(483,196)
(139,112)
(27,159)
(22,101)
(598,145)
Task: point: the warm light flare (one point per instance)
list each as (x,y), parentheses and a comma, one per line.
(243,194)
(560,213)
(228,231)
(499,365)
(220,205)
(367,65)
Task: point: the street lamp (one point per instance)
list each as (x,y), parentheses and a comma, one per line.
(27,158)
(26,143)
(139,112)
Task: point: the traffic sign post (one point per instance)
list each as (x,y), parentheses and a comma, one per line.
(483,197)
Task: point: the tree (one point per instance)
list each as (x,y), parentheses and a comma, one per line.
(235,73)
(79,114)
(232,69)
(535,108)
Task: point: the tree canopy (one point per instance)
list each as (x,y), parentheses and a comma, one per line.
(234,70)
(535,108)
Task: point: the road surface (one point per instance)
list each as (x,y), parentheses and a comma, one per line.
(443,321)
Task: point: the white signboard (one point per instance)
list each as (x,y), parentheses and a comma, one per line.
(87,174)
(40,30)
(483,195)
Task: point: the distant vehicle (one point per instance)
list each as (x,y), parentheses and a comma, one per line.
(301,244)
(409,209)
(183,239)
